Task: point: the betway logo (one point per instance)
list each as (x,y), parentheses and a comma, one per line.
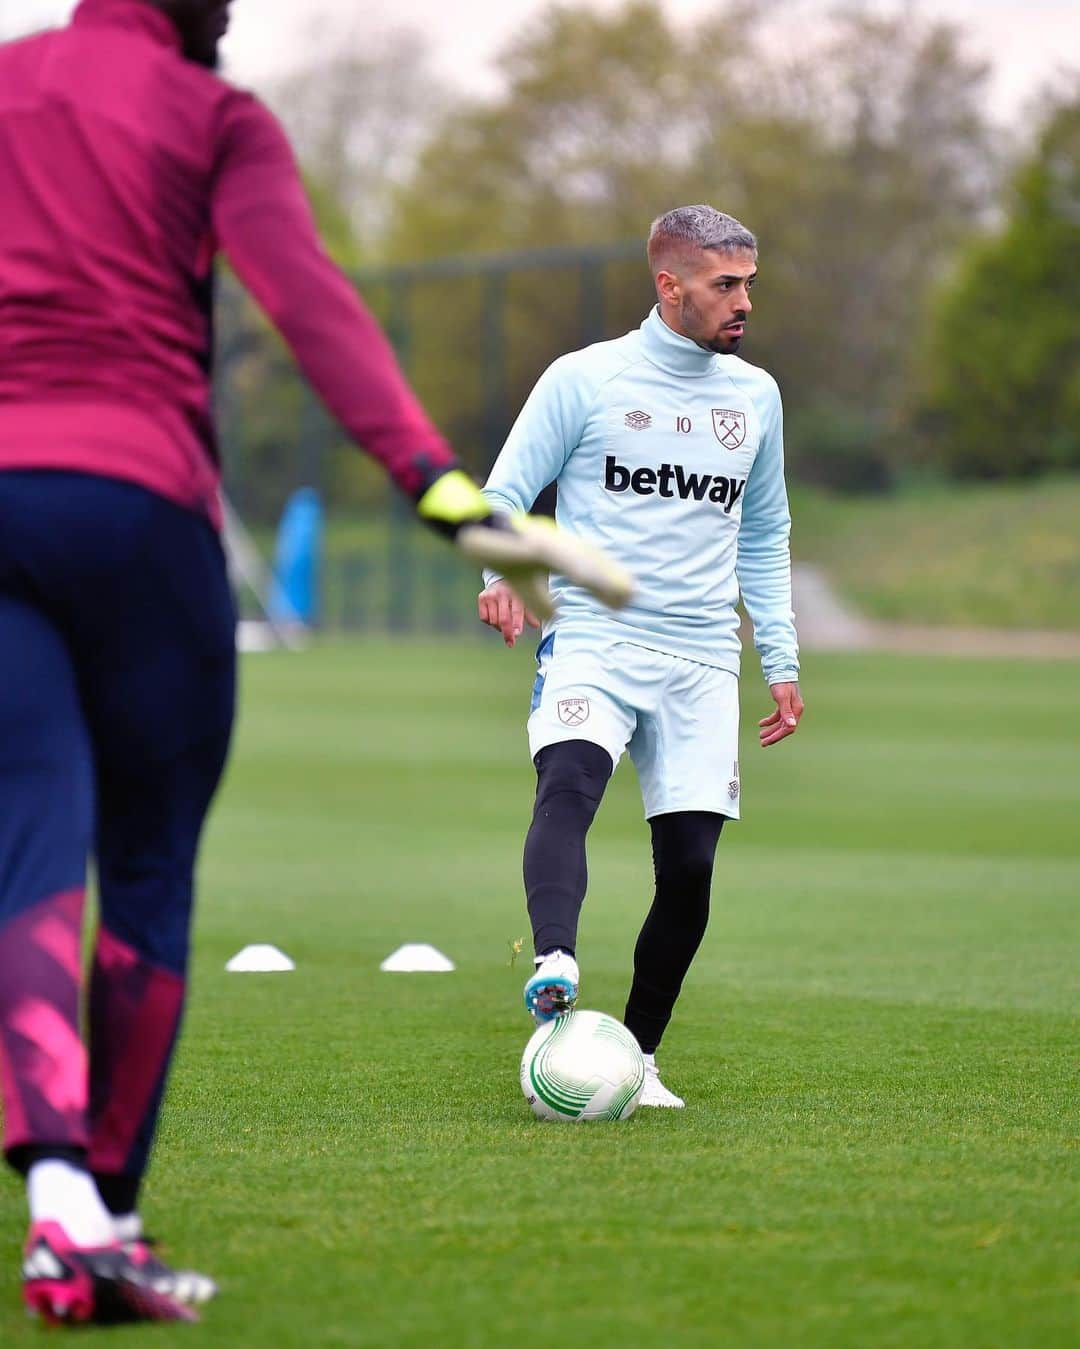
(672,480)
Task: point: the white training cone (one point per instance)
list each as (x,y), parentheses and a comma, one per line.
(259,959)
(417,956)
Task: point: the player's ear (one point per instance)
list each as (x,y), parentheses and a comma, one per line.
(667,286)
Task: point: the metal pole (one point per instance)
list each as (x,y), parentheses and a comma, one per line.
(494,362)
(591,277)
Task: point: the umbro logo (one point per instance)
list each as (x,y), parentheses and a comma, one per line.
(638,421)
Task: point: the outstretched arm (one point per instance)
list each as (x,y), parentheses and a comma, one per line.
(547,431)
(264,224)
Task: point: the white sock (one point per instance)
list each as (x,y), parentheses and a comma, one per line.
(127,1227)
(61,1193)
(650,1059)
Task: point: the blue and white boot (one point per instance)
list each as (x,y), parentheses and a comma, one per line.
(553,989)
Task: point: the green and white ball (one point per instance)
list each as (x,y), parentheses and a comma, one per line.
(584,1065)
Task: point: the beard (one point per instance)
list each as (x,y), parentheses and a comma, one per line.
(724,344)
(693,321)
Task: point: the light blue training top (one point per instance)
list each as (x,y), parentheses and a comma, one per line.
(671,459)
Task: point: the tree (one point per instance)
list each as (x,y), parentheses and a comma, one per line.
(584,143)
(357,113)
(1003,393)
(888,165)
(859,164)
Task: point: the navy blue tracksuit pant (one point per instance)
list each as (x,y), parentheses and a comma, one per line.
(117,683)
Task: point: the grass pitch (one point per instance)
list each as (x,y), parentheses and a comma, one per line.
(995,554)
(877,1042)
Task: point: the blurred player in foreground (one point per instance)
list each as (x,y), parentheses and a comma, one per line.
(126,164)
(668,450)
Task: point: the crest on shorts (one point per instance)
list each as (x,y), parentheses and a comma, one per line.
(733,785)
(573,711)
(729,426)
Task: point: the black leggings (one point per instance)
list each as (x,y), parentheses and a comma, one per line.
(684,845)
(571,778)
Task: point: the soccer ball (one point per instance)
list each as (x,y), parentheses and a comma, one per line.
(584,1065)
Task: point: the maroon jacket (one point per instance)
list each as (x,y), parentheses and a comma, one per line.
(123,170)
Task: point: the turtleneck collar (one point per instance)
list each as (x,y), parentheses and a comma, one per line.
(131,14)
(671,351)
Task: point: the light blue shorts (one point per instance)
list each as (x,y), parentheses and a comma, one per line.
(679,718)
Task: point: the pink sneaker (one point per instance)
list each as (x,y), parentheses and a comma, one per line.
(185,1285)
(67,1284)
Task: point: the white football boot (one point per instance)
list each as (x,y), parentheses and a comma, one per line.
(654,1092)
(553,989)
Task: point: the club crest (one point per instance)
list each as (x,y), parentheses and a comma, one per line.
(573,711)
(729,427)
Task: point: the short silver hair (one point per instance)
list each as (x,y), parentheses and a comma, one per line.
(699,227)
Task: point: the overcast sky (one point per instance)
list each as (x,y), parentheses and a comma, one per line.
(1026,42)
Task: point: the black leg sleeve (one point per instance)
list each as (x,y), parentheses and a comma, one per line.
(684,846)
(570,781)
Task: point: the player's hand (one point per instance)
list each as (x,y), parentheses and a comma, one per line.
(500,608)
(784,721)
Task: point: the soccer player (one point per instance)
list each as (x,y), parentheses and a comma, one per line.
(125,165)
(667,449)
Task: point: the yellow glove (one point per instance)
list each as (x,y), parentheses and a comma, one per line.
(521,548)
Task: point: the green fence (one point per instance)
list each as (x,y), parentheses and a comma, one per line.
(473,334)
